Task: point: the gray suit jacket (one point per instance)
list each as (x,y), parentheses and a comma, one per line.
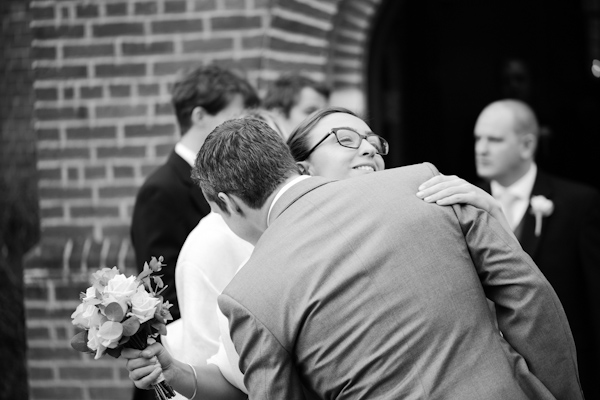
(360,290)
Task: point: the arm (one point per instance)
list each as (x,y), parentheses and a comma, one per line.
(269,370)
(528,311)
(449,190)
(144,370)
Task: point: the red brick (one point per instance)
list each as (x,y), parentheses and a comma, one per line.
(136,131)
(120,111)
(111,70)
(50,353)
(294,47)
(87,51)
(173,7)
(118,29)
(235,23)
(94,212)
(150,89)
(87,373)
(135,49)
(252,42)
(120,232)
(291,65)
(60,73)
(56,392)
(61,113)
(113,393)
(42,12)
(207,45)
(49,174)
(178,26)
(90,92)
(163,149)
(163,109)
(86,11)
(46,94)
(119,90)
(116,9)
(302,8)
(72,174)
(43,53)
(67,231)
(117,192)
(58,32)
(36,292)
(40,373)
(123,172)
(288,25)
(99,132)
(68,93)
(204,5)
(52,212)
(234,4)
(98,172)
(38,332)
(145,8)
(65,193)
(172,67)
(61,333)
(125,151)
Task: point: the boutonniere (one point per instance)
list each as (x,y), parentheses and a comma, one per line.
(540,207)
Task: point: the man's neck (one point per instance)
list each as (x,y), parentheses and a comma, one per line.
(513,177)
(193,139)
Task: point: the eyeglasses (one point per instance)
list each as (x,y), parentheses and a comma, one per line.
(348,137)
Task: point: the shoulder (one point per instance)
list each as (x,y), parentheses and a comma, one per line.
(571,189)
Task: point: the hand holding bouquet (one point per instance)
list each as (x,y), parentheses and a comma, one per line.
(118,312)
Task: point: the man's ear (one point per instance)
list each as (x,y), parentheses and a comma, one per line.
(305,168)
(231,203)
(198,114)
(529,142)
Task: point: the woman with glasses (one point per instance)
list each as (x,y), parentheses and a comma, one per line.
(334,143)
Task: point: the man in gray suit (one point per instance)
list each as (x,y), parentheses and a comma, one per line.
(358,289)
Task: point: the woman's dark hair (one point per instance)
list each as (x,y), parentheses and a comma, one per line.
(298,139)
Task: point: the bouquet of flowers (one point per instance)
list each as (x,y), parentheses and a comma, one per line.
(119,311)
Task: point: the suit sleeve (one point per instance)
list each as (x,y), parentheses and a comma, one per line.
(269,371)
(158,229)
(529,313)
(589,245)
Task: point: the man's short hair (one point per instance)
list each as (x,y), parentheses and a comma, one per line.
(210,87)
(244,157)
(285,91)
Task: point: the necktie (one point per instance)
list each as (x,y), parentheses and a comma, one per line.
(508,200)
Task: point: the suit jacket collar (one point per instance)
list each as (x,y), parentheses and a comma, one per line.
(184,173)
(542,186)
(294,193)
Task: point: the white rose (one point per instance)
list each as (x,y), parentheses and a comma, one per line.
(86,316)
(143,306)
(121,288)
(542,205)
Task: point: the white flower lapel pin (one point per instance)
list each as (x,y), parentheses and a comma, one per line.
(540,207)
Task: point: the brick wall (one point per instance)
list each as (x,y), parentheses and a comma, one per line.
(102,72)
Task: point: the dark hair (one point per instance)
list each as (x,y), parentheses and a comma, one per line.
(244,157)
(210,87)
(284,92)
(298,139)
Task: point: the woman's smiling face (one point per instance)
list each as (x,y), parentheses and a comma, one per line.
(331,160)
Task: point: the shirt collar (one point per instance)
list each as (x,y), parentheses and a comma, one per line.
(185,153)
(282,191)
(522,188)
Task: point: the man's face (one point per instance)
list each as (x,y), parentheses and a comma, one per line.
(309,101)
(498,149)
(238,224)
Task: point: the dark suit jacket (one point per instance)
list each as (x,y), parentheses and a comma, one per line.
(568,254)
(360,290)
(168,206)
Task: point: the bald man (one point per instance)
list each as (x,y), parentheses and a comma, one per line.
(560,231)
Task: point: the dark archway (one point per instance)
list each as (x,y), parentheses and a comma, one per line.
(434,65)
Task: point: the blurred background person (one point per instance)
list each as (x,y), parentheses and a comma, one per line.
(168,205)
(292,98)
(565,244)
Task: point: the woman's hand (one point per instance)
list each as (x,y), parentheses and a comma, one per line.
(145,366)
(446,190)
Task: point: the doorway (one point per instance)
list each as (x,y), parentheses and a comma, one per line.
(434,65)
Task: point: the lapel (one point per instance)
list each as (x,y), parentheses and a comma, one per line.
(184,173)
(530,242)
(294,193)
